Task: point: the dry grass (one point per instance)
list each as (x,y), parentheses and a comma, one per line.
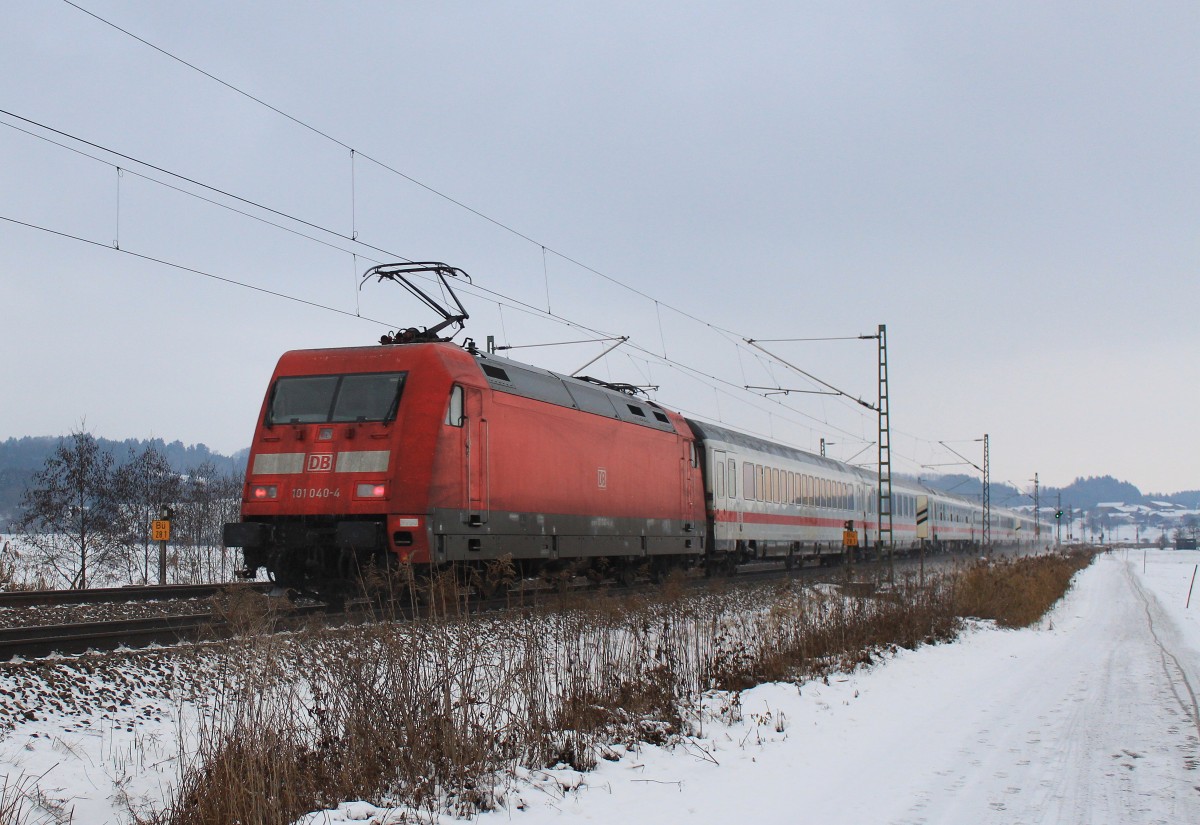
(1017,592)
(436,715)
(22,802)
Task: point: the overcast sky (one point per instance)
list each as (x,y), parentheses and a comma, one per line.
(1012,188)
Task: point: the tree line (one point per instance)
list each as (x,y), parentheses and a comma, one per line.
(21,457)
(84,519)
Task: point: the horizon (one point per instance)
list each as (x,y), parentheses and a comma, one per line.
(923,478)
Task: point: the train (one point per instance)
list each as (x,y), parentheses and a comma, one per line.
(420,454)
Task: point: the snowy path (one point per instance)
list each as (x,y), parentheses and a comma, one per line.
(1093,722)
(1090,720)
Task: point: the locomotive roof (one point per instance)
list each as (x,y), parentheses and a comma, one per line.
(528,381)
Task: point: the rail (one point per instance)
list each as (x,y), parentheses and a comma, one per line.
(27,598)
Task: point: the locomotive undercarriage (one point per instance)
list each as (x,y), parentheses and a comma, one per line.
(334,557)
(321,556)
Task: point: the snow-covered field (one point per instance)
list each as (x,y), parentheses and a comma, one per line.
(1090,718)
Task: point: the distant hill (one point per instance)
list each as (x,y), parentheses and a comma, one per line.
(20,458)
(1082,493)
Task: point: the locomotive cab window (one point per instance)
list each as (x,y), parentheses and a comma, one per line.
(322,399)
(366,397)
(454,412)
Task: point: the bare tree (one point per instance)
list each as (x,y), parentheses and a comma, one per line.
(69,514)
(144,485)
(209,499)
(227,507)
(1191,526)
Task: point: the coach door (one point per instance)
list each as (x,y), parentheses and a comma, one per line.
(716,480)
(476,436)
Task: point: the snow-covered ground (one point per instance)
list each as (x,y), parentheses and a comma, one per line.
(1090,718)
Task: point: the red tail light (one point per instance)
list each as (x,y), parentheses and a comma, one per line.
(371,490)
(264,491)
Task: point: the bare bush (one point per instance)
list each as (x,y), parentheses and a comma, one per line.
(1017,592)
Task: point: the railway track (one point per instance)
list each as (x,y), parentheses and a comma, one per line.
(95,595)
(44,640)
(38,641)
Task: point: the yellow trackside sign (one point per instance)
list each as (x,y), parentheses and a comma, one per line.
(849,538)
(160,530)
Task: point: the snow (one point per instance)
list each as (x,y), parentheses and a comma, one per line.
(1089,718)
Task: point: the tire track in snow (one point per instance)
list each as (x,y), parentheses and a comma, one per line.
(1084,728)
(1189,707)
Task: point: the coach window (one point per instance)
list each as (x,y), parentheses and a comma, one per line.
(748,480)
(732,478)
(758,482)
(719,481)
(454,413)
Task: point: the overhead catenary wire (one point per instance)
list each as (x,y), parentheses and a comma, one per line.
(195,195)
(684,368)
(355,153)
(513,302)
(500,224)
(433,190)
(190,269)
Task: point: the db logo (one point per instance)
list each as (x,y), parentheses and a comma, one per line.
(320,462)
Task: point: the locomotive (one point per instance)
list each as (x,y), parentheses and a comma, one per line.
(420,454)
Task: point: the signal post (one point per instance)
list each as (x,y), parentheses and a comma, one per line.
(160,530)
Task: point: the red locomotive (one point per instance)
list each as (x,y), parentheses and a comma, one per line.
(426,453)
